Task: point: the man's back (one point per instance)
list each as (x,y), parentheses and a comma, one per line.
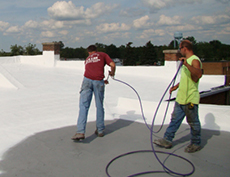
(94,65)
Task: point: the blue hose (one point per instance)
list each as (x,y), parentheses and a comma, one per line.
(166,169)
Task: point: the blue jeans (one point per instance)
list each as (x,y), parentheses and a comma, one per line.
(88,88)
(180,111)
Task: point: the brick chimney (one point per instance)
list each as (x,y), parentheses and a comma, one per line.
(52,46)
(171,55)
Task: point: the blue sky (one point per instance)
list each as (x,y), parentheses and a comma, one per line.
(81,23)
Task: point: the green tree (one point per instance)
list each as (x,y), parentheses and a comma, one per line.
(16,50)
(61,44)
(171,45)
(31,49)
(112,51)
(3,53)
(217,53)
(100,47)
(204,51)
(129,55)
(149,56)
(77,53)
(122,51)
(80,53)
(160,54)
(225,54)
(67,52)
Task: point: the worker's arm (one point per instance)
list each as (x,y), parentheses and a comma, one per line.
(113,68)
(174,88)
(195,69)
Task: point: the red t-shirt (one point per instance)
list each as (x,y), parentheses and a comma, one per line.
(94,65)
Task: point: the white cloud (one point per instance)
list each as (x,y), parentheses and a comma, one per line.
(164,20)
(46,28)
(224,1)
(48,34)
(3,25)
(112,27)
(184,28)
(225,31)
(156,5)
(77,22)
(142,22)
(58,24)
(209,20)
(52,24)
(63,32)
(98,9)
(89,34)
(13,29)
(105,21)
(151,32)
(204,19)
(31,24)
(132,12)
(62,10)
(159,32)
(112,37)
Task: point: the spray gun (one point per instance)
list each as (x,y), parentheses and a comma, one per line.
(106,81)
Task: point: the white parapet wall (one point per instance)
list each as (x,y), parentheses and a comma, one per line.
(6,60)
(47,59)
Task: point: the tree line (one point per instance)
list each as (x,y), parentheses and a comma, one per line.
(30,49)
(143,55)
(148,54)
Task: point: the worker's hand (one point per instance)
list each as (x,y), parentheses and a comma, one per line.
(173,88)
(111,73)
(184,60)
(106,81)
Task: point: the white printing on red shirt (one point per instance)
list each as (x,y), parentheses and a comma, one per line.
(94,65)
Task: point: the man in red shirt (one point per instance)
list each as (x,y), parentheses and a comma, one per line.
(93,83)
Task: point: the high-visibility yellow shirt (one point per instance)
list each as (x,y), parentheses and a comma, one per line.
(188,89)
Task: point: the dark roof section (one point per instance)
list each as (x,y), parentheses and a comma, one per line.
(213,91)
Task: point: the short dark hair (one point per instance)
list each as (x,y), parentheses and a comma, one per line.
(187,44)
(91,48)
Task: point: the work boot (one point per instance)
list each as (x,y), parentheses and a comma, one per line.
(78,136)
(163,143)
(99,134)
(192,148)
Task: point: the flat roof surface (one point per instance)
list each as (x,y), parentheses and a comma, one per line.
(52,153)
(39,109)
